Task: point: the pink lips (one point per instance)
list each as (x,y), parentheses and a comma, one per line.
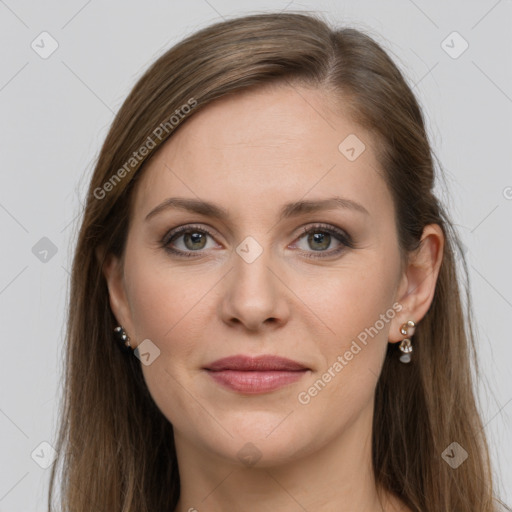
(254,375)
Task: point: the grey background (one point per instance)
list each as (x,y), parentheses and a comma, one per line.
(54,115)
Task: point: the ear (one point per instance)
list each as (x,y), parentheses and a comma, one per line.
(418,283)
(112,268)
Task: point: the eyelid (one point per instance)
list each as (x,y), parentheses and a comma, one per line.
(321,226)
(188,228)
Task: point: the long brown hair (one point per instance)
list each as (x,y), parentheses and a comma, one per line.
(116,448)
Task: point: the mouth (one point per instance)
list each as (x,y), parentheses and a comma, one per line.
(254,375)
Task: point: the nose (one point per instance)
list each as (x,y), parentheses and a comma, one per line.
(254,296)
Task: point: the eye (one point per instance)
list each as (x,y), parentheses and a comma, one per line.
(186,240)
(320,237)
(190,241)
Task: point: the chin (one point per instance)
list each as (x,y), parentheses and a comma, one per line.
(261,440)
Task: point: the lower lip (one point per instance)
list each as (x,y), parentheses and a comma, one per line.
(256,381)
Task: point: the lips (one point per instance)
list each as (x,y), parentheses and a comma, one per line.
(254,375)
(259,363)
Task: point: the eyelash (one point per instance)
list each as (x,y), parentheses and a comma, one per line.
(342,237)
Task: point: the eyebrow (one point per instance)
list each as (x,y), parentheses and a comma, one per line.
(288,210)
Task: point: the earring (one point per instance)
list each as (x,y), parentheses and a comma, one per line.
(405,345)
(122,338)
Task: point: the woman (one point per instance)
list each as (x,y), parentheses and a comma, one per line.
(262,242)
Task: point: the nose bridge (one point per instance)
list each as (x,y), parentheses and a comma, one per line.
(254,293)
(252,267)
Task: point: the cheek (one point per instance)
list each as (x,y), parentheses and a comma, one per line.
(173,307)
(351,300)
(161,297)
(357,306)
(167,309)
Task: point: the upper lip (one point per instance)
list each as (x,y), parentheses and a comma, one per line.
(258,363)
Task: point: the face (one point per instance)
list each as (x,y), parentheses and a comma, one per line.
(314,284)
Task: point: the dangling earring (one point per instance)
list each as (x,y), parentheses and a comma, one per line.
(405,345)
(122,338)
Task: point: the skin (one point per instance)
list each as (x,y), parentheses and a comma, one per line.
(251,153)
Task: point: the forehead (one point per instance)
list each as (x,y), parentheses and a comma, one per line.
(274,141)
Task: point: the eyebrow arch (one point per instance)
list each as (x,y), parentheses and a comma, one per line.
(289,210)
